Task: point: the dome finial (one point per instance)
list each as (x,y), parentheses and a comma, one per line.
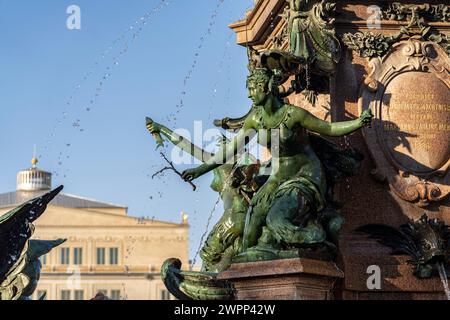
(35,160)
(33,179)
(184,217)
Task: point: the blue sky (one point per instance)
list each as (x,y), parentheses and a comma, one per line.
(82,95)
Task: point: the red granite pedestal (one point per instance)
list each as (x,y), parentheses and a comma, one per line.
(397,279)
(405,172)
(290,279)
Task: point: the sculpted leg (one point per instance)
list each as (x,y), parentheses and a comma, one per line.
(254,229)
(332,222)
(294,208)
(226,258)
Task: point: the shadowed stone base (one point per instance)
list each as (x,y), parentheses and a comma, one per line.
(289,279)
(397,280)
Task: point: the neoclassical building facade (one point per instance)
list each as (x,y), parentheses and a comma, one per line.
(107,251)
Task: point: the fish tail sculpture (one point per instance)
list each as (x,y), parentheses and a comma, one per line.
(190,285)
(426,241)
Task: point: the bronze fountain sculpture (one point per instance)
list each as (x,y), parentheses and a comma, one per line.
(291,213)
(235,183)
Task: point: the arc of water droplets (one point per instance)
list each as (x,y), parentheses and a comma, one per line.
(229,176)
(219,70)
(225,57)
(211,214)
(172,117)
(96,63)
(444,279)
(140,22)
(228,92)
(228,76)
(180,105)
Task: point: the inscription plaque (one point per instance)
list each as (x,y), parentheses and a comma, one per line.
(409,94)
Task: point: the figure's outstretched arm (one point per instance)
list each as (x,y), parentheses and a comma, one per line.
(225,154)
(336,129)
(179,141)
(186,145)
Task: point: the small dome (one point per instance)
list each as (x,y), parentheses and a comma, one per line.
(34,179)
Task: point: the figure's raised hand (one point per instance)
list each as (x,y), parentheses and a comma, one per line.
(366,118)
(190,174)
(155,130)
(153,127)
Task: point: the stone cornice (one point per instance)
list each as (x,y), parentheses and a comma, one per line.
(98,270)
(262,23)
(99,227)
(149,276)
(258,22)
(120,239)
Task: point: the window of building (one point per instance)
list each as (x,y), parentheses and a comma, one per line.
(42,295)
(115,295)
(113,256)
(79,295)
(78,256)
(65,256)
(65,294)
(43,260)
(103,292)
(165,295)
(101,252)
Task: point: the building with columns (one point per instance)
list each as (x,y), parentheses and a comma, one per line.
(107,251)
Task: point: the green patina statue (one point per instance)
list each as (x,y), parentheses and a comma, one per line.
(286,208)
(20,266)
(284,212)
(235,184)
(313,52)
(311,34)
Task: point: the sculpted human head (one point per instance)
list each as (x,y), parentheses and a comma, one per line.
(258,85)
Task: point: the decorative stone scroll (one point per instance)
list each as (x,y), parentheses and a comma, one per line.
(408,91)
(371,45)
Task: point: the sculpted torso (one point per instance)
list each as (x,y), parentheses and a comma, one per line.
(292,150)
